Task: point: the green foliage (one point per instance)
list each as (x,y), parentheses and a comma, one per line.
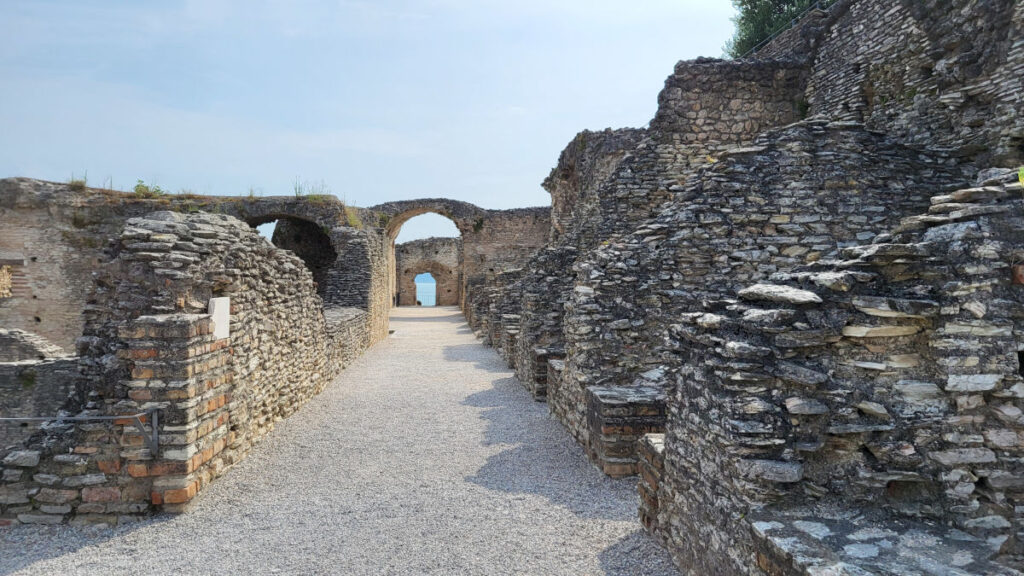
(1020,175)
(142,190)
(478,225)
(758,20)
(383,219)
(318,198)
(803,108)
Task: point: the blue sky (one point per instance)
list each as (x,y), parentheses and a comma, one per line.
(379,100)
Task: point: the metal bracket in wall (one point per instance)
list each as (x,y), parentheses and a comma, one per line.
(150,437)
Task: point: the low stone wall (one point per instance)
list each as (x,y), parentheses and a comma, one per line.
(150,344)
(349,333)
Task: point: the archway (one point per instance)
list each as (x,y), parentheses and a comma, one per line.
(309,241)
(433,246)
(445,289)
(426,290)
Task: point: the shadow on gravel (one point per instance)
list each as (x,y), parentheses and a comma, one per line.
(636,555)
(23,545)
(542,458)
(472,353)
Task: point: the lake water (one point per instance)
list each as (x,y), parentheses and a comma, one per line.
(426,293)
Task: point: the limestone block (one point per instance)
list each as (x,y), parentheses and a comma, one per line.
(220,311)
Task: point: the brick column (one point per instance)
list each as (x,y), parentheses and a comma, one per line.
(179,367)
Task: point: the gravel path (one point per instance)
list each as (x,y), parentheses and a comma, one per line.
(425,457)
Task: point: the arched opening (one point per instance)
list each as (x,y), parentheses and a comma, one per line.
(306,239)
(427,258)
(426,289)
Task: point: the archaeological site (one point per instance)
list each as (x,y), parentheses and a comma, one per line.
(790,310)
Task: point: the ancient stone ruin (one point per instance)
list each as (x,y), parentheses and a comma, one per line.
(438,257)
(792,306)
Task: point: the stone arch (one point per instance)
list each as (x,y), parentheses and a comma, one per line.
(446,278)
(324,211)
(311,242)
(466,216)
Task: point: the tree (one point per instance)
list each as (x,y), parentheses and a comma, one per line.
(759,19)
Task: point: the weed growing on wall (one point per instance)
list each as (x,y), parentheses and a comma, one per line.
(305,188)
(352,217)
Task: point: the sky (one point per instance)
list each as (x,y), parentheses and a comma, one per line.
(374,100)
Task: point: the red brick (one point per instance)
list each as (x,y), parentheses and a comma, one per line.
(137,470)
(109,466)
(181,495)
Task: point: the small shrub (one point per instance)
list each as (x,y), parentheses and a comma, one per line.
(142,190)
(478,225)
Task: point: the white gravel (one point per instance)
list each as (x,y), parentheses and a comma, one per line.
(425,457)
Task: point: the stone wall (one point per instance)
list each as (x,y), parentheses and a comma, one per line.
(149,344)
(51,249)
(801,40)
(32,388)
(887,380)
(583,168)
(796,195)
(18,345)
(936,73)
(441,257)
(608,182)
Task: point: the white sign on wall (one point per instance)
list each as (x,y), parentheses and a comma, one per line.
(220,311)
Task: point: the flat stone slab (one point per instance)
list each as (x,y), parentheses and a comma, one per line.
(827,541)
